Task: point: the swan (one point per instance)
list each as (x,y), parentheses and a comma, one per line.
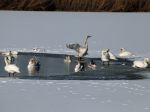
(79,67)
(105,56)
(67,60)
(11,68)
(112,56)
(92,65)
(81,50)
(125,53)
(37,50)
(141,64)
(33,65)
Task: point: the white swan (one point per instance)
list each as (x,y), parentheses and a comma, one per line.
(105,57)
(81,50)
(112,56)
(37,50)
(67,60)
(11,68)
(79,67)
(33,65)
(125,53)
(141,64)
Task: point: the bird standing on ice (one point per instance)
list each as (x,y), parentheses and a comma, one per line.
(141,64)
(105,57)
(10,68)
(125,53)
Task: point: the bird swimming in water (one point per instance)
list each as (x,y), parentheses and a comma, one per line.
(33,65)
(80,66)
(141,64)
(81,50)
(92,65)
(67,60)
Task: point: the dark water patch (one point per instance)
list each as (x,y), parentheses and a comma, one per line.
(52,67)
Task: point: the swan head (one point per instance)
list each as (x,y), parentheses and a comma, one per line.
(88,36)
(147,60)
(122,49)
(105,50)
(32,61)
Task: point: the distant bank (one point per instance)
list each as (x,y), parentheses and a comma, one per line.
(77,5)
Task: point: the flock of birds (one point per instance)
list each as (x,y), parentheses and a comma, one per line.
(12,68)
(106,56)
(81,50)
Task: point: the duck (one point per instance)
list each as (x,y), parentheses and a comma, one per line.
(125,53)
(11,68)
(141,63)
(82,50)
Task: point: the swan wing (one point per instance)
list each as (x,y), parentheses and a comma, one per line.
(73,46)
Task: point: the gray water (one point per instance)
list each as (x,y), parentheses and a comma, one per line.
(52,67)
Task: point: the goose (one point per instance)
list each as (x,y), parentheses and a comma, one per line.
(67,60)
(81,50)
(33,65)
(125,53)
(10,68)
(105,57)
(141,64)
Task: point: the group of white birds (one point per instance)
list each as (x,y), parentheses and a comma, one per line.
(12,68)
(106,55)
(82,50)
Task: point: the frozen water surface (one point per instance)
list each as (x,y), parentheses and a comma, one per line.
(52,30)
(74,95)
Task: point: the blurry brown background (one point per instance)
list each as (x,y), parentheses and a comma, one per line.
(77,5)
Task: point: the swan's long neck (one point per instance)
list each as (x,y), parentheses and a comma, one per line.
(86,41)
(6,61)
(146,62)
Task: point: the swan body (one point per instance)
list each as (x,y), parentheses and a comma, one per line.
(11,68)
(125,53)
(141,64)
(81,50)
(33,66)
(112,56)
(105,56)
